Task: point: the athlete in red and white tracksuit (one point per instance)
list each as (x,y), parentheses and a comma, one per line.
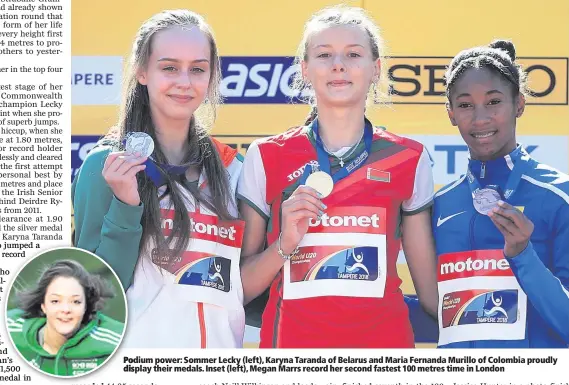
(341,289)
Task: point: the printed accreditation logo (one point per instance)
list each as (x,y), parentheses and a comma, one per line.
(196,267)
(329,262)
(210,271)
(480,307)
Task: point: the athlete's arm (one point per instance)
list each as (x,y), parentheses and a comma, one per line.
(103,224)
(417,238)
(419,249)
(258,267)
(548,288)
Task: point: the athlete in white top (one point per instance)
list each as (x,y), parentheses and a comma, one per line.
(166,220)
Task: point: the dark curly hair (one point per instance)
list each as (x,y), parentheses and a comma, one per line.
(499,57)
(96,291)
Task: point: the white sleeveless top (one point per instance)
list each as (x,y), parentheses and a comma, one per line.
(196,301)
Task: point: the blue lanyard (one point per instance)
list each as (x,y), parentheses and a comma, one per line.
(521,164)
(156,171)
(324,161)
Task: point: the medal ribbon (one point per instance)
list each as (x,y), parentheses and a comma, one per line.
(521,158)
(324,161)
(156,171)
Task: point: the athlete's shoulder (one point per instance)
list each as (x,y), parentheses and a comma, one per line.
(549,178)
(452,187)
(231,159)
(226,153)
(110,324)
(95,159)
(283,137)
(89,179)
(105,335)
(15,319)
(235,167)
(381,132)
(15,313)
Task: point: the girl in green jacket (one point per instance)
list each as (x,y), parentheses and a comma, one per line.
(58,326)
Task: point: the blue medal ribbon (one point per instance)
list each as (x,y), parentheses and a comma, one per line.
(521,163)
(157,171)
(324,160)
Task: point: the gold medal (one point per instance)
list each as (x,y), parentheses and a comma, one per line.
(321,182)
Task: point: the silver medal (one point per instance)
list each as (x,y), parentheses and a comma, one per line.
(140,142)
(321,182)
(485,200)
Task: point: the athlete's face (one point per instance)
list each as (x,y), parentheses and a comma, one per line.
(340,66)
(178,72)
(64,306)
(485,111)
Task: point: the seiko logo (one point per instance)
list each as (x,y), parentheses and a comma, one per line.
(476,265)
(346,220)
(297,173)
(202,228)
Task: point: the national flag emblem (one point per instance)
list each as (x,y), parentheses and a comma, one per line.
(378,175)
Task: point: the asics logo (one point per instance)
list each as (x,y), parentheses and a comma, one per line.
(441,220)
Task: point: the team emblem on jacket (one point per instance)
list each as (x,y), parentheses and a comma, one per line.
(83,366)
(355,263)
(210,271)
(480,307)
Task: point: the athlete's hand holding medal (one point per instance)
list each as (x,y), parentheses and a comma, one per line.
(121,167)
(512,223)
(514,226)
(304,204)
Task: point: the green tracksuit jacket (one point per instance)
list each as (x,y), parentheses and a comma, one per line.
(86,350)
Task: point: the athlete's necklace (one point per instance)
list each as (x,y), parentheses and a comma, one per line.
(346,155)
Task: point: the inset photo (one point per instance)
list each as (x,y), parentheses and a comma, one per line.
(66,312)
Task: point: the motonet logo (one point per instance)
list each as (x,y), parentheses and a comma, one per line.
(420,79)
(346,221)
(473,265)
(202,228)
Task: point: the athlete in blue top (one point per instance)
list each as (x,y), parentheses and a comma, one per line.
(502,229)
